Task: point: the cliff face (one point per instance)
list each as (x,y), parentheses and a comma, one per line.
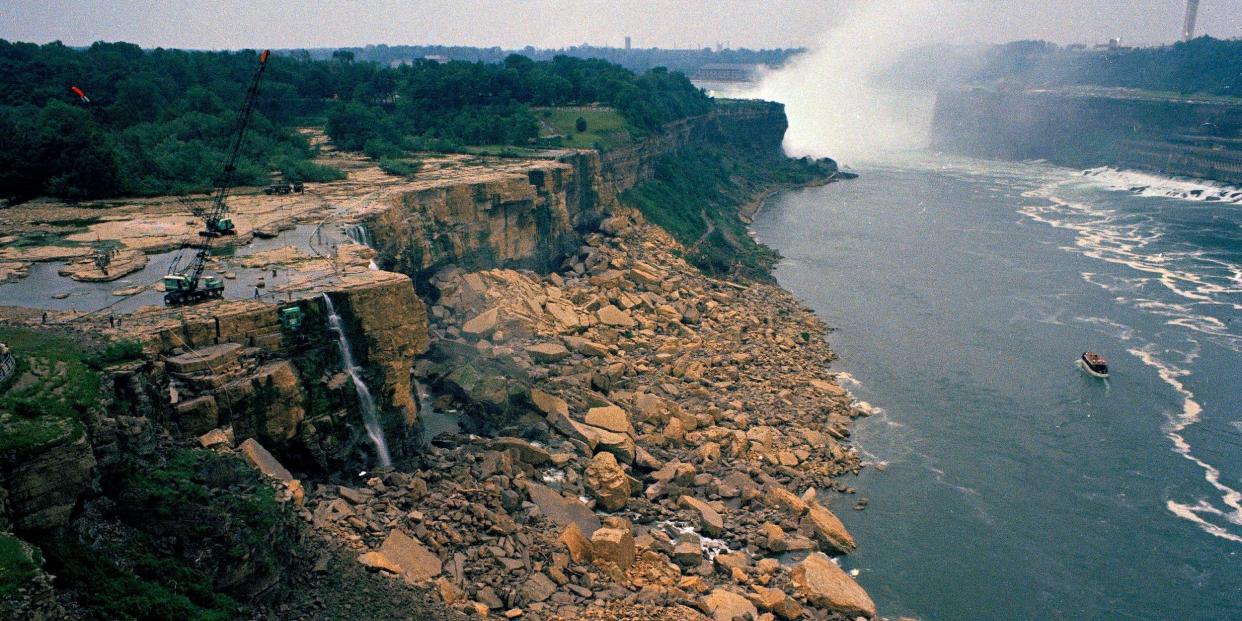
(533,217)
(235,364)
(760,123)
(1199,138)
(525,218)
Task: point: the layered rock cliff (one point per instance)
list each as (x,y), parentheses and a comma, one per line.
(1095,127)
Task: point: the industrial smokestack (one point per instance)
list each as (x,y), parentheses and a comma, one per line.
(1188,28)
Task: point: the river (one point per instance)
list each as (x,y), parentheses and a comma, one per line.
(1013,485)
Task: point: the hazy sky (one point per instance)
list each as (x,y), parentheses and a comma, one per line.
(561,23)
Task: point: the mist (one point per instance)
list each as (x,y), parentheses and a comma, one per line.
(833,95)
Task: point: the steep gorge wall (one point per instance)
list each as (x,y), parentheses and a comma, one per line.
(533,218)
(1198,138)
(235,364)
(759,123)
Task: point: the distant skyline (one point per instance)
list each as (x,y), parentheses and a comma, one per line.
(229,24)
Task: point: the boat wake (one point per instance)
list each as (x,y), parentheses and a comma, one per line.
(1203,285)
(1190,414)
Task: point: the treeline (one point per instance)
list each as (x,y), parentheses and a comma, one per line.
(434,105)
(638,60)
(1199,66)
(159,121)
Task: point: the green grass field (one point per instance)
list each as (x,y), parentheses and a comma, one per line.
(605,127)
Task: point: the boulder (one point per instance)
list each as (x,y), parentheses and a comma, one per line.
(576,543)
(562,510)
(550,405)
(609,417)
(612,316)
(688,554)
(827,528)
(828,388)
(607,482)
(482,324)
(725,605)
(527,452)
(375,560)
(619,444)
(417,563)
(778,497)
(221,436)
(777,602)
(537,588)
(613,545)
(709,520)
(821,583)
(263,461)
(547,352)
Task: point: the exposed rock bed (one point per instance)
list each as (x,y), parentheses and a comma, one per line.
(659,445)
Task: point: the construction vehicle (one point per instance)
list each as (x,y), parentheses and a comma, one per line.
(282,186)
(189,285)
(217,220)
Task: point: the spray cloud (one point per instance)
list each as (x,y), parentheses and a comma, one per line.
(835,107)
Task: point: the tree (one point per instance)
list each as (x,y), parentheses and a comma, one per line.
(580,125)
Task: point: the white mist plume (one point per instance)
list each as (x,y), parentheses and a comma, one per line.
(830,96)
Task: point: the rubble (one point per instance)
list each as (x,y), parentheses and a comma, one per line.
(650,436)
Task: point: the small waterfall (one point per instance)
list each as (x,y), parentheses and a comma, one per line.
(360,234)
(365,400)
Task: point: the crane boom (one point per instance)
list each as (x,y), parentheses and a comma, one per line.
(190,286)
(217,221)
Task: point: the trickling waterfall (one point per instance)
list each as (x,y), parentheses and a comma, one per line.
(360,234)
(369,417)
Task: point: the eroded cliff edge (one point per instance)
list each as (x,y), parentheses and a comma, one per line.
(653,440)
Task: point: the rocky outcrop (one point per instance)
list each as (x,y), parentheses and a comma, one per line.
(46,483)
(529,216)
(235,364)
(1083,128)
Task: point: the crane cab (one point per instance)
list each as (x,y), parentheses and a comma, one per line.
(181,289)
(219,226)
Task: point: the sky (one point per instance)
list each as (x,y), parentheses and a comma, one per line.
(229,24)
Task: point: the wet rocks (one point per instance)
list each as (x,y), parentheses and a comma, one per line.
(708,519)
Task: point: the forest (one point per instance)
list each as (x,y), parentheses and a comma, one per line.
(158,121)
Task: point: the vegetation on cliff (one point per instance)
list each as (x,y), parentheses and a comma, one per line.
(19,564)
(698,194)
(190,534)
(51,388)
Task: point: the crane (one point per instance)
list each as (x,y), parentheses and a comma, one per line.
(217,220)
(189,286)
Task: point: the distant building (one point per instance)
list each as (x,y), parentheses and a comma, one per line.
(437,58)
(726,72)
(627,44)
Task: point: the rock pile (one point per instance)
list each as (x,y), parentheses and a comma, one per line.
(657,441)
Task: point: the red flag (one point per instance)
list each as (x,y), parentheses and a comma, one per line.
(77,91)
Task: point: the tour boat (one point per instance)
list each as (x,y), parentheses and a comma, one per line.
(1094,364)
